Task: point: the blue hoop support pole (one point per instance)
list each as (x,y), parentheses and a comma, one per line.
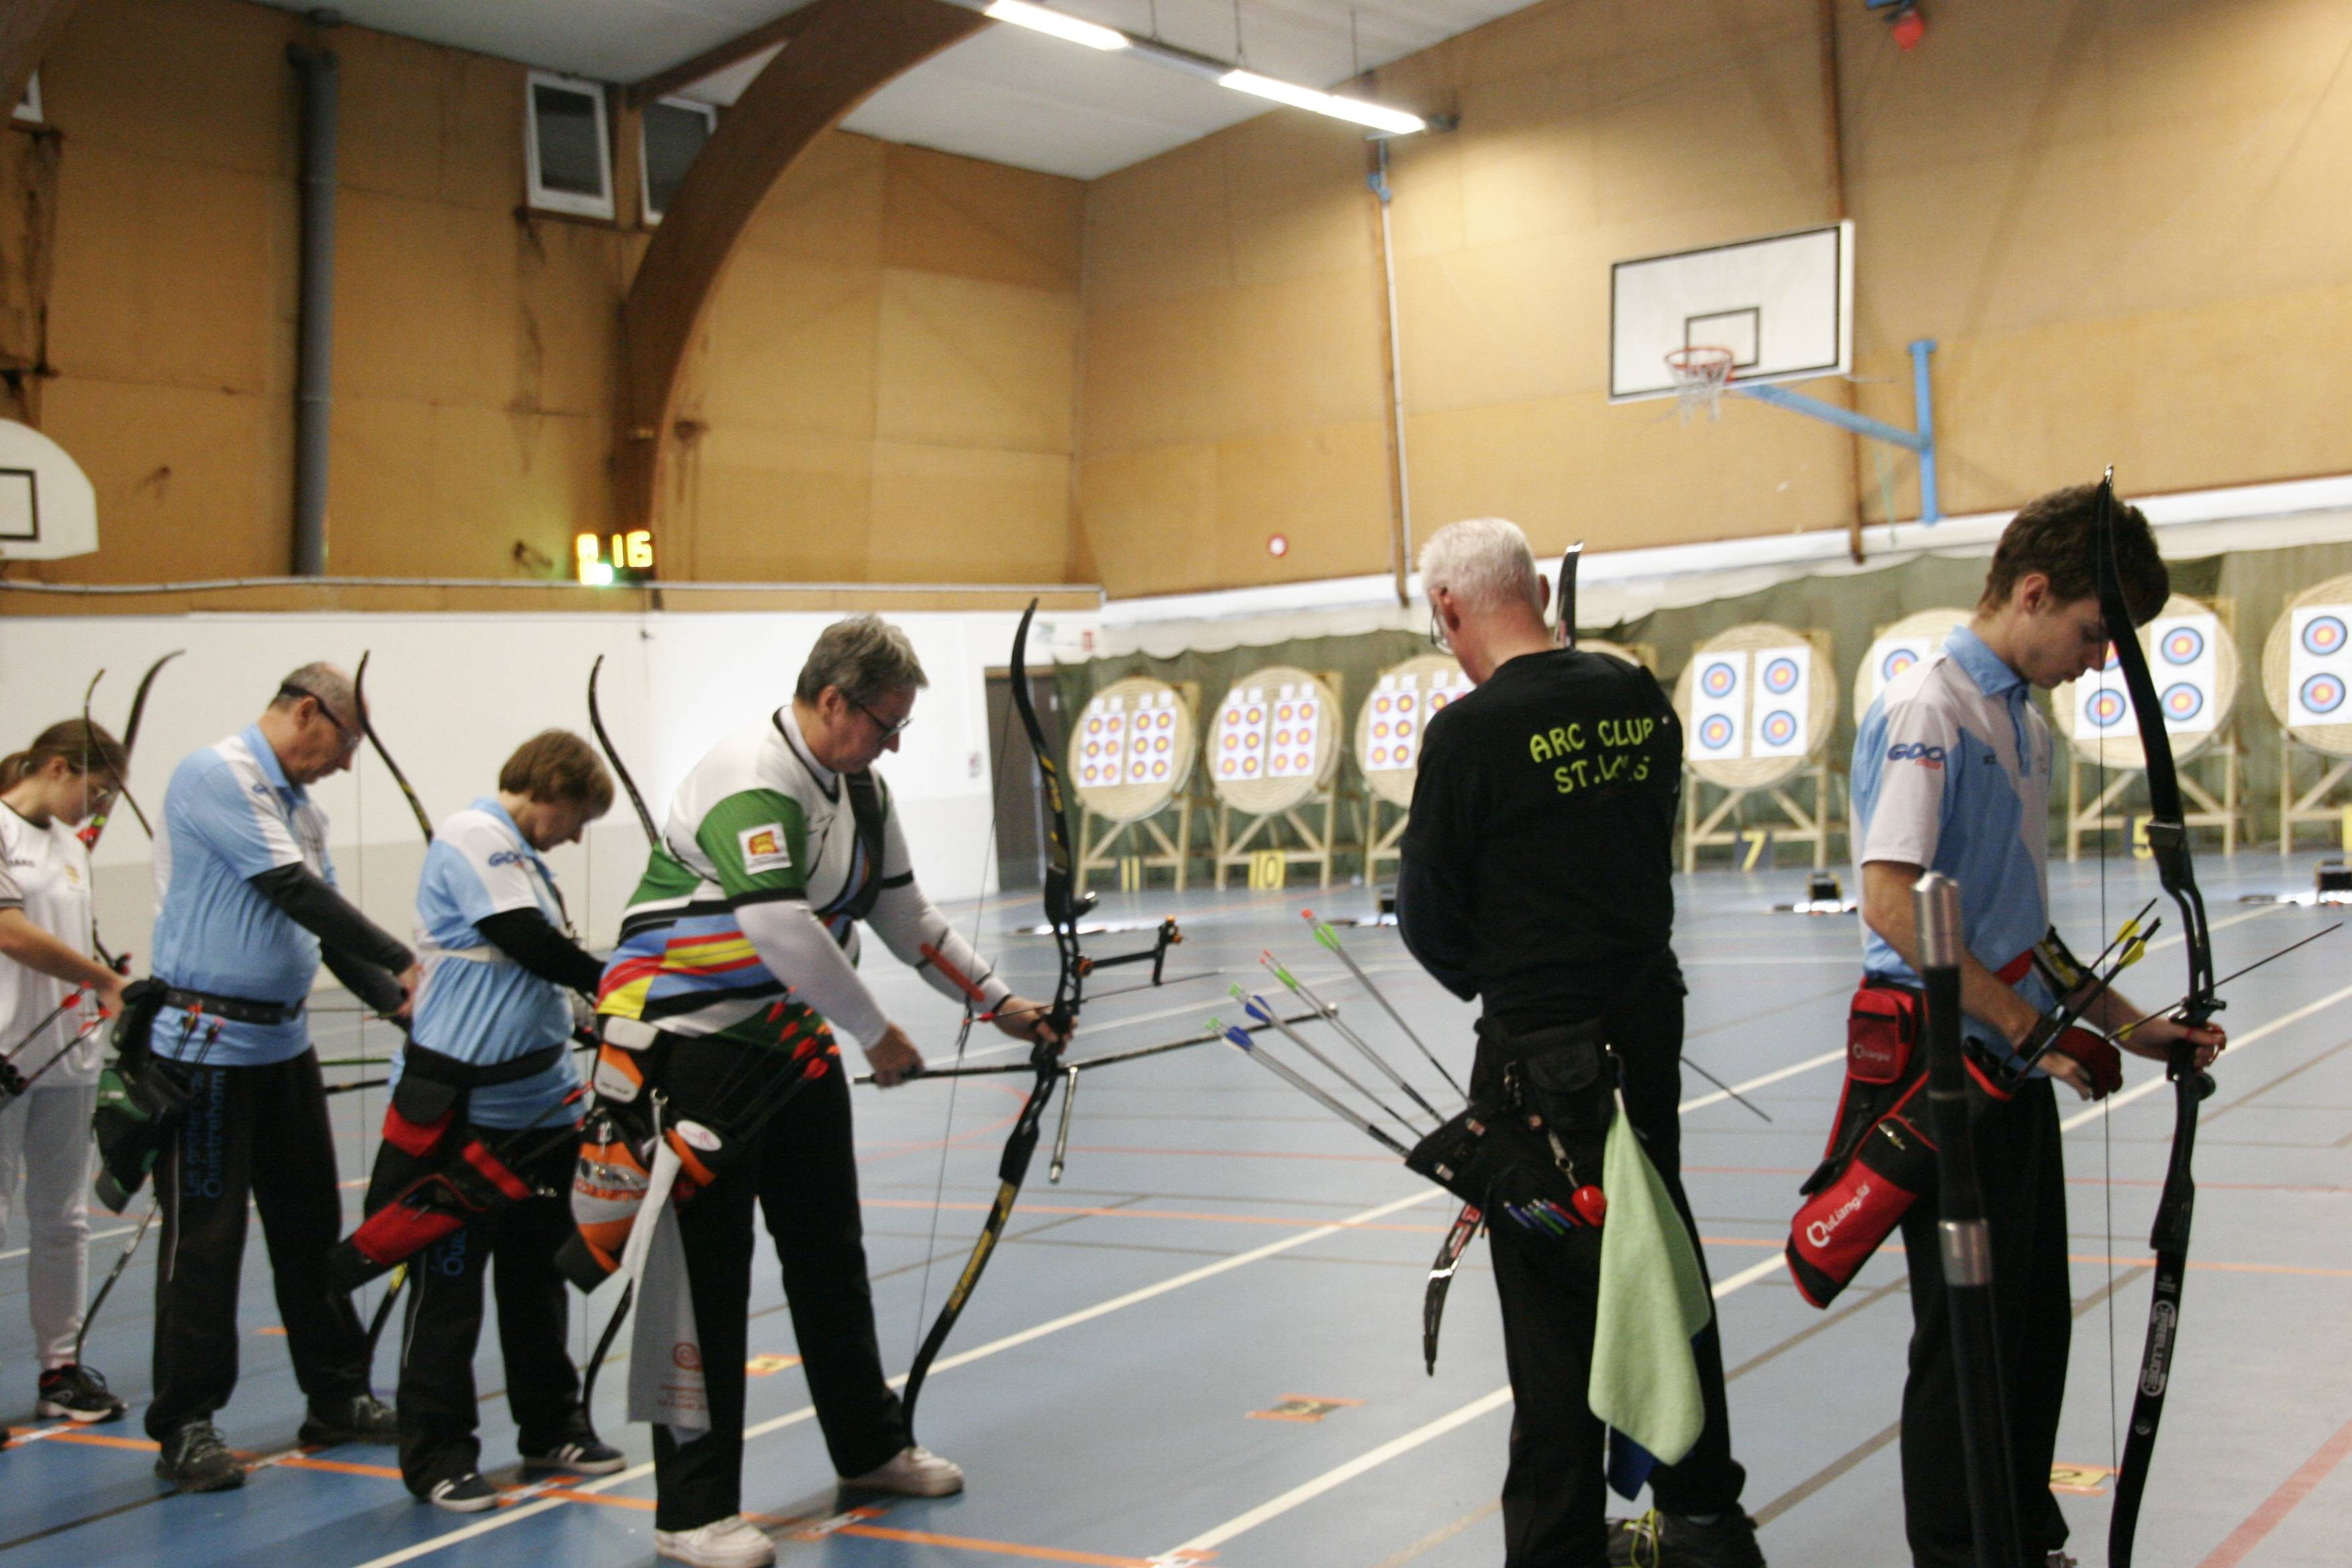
(1920,442)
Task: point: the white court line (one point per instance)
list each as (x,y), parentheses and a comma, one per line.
(1274,1508)
(2093,1113)
(1719,1096)
(1085,1314)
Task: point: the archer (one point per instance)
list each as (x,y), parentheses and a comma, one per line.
(1952,769)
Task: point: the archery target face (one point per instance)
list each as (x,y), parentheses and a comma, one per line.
(1719,707)
(1297,725)
(1781,708)
(1400,709)
(1151,753)
(2183,666)
(2319,665)
(1102,761)
(1242,727)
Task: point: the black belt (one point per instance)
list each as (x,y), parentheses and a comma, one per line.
(434,1065)
(235,1009)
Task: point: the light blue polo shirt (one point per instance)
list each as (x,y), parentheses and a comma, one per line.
(476,1003)
(229,815)
(1952,768)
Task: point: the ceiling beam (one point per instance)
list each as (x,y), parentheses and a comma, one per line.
(710,62)
(27,29)
(845,51)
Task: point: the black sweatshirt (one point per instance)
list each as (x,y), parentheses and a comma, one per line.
(1536,872)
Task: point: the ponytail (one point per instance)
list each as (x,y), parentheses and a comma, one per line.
(87,748)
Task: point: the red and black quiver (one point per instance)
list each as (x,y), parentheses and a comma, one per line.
(1879,1161)
(435,1173)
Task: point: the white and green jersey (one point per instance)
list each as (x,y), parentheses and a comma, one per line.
(760,822)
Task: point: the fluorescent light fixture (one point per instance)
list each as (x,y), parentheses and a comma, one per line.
(1021,13)
(1396,122)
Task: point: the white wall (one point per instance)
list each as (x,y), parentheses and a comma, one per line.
(453,694)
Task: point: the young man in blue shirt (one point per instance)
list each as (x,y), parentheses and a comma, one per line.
(489,1061)
(1952,767)
(247,908)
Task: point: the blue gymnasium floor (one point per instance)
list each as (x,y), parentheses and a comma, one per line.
(1220,1245)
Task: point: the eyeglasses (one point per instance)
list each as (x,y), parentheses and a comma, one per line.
(351,736)
(890,730)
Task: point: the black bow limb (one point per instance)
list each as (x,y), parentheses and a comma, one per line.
(2168,842)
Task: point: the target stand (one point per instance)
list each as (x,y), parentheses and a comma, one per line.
(1130,762)
(1404,697)
(2192,655)
(2307,679)
(1758,704)
(1272,762)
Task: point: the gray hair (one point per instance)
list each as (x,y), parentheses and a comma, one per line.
(866,657)
(1485,562)
(331,687)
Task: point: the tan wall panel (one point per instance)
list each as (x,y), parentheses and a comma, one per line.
(964,362)
(188,81)
(1324,489)
(829,206)
(1158,229)
(192,481)
(1619,478)
(790,505)
(974,219)
(432,125)
(170,271)
(790,343)
(1153,512)
(954,514)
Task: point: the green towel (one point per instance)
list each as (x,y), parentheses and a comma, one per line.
(1654,1297)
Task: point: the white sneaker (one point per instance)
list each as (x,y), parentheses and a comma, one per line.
(730,1543)
(912,1472)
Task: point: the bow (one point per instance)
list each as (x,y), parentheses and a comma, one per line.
(425,826)
(2168,842)
(1565,632)
(96,827)
(1063,905)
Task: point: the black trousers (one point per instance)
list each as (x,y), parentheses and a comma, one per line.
(2022,1168)
(516,1244)
(257,1132)
(1555,1491)
(801,1171)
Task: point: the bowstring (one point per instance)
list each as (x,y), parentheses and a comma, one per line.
(2107,1116)
(971,1016)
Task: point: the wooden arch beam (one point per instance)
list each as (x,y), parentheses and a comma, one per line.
(843,52)
(27,29)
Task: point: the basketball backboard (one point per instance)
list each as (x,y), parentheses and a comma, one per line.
(1782,305)
(47,509)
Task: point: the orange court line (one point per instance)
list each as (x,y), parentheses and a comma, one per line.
(1001,1548)
(75,1435)
(340,1466)
(2282,1502)
(1152,1214)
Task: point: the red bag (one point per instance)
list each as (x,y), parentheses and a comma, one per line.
(1844,1223)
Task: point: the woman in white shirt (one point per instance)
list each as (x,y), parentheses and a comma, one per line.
(46,942)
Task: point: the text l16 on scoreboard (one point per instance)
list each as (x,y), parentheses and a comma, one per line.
(602,560)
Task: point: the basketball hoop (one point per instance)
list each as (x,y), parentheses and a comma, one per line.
(1701,374)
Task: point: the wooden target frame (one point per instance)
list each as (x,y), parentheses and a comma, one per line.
(1931,627)
(2323,802)
(1772,776)
(2117,758)
(1132,810)
(1410,686)
(1253,811)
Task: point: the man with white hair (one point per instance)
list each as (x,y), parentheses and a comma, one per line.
(1536,877)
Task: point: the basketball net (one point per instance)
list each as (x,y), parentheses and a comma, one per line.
(1701,374)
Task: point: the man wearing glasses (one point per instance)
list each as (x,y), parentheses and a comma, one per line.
(736,964)
(246,908)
